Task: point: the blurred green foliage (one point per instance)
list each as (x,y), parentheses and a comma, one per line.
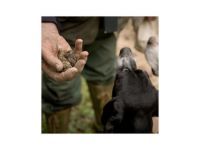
(82,116)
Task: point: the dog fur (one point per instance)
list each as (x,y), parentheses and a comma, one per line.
(134,99)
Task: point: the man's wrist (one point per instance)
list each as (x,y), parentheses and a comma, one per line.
(51,27)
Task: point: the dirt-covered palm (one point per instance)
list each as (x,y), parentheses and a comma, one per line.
(52,43)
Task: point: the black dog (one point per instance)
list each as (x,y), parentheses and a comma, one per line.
(134,99)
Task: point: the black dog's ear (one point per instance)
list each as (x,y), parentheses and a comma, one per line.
(156,106)
(107,111)
(112,115)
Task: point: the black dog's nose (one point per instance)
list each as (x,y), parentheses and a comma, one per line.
(126,59)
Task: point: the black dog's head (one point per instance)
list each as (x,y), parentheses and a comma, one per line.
(134,101)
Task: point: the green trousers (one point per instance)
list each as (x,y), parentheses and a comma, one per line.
(99,72)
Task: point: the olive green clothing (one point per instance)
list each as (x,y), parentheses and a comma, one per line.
(99,69)
(59,95)
(85,28)
(100,66)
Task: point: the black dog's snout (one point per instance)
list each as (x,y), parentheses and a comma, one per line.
(126,59)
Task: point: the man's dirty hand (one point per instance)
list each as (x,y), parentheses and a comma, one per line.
(52,43)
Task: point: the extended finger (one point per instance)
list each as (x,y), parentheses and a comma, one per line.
(84,55)
(80,64)
(78,45)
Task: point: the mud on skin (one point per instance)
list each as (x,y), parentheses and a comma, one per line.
(68,59)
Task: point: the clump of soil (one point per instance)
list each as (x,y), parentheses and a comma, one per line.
(68,59)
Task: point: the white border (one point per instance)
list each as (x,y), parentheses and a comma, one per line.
(20,79)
